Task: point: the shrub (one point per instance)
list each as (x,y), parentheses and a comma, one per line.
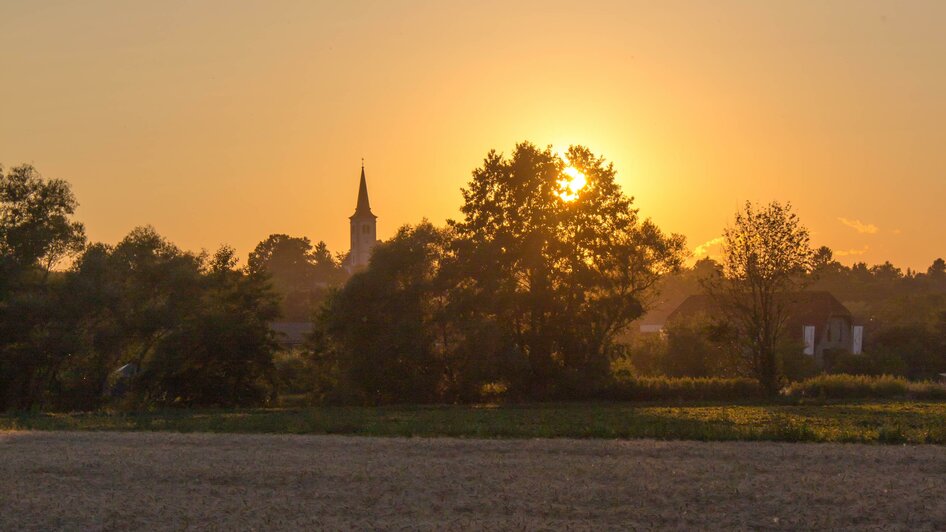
(843,386)
(874,363)
(294,374)
(684,389)
(694,349)
(644,355)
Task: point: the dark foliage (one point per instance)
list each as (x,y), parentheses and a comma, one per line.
(377,339)
(526,297)
(301,274)
(684,389)
(188,329)
(526,294)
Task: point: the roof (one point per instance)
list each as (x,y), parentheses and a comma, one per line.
(292,333)
(363,208)
(807,308)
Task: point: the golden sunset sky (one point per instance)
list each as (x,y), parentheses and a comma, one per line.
(225,121)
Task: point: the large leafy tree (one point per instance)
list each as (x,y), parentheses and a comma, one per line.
(221,352)
(561,269)
(767,254)
(194,328)
(300,272)
(36,225)
(133,297)
(37,231)
(380,338)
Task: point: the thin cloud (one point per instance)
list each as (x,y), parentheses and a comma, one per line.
(859,226)
(704,248)
(851,252)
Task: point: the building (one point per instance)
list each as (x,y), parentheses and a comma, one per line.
(292,334)
(817,319)
(364,229)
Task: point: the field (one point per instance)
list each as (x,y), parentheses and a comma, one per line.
(875,422)
(109,481)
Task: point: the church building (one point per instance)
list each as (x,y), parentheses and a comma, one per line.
(364,234)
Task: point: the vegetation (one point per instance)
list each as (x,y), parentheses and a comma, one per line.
(865,387)
(767,255)
(526,297)
(868,422)
(302,275)
(527,293)
(383,337)
(685,389)
(187,329)
(904,314)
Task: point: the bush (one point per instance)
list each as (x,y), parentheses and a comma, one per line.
(797,366)
(693,347)
(644,355)
(877,362)
(864,387)
(684,389)
(294,374)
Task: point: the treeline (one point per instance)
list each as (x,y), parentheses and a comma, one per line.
(903,312)
(523,297)
(528,295)
(185,328)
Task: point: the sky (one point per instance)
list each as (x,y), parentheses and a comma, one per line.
(225,121)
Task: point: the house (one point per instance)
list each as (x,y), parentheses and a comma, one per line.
(817,319)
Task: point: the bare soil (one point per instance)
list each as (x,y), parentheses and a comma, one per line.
(116,481)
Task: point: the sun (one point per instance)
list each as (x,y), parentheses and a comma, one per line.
(571,183)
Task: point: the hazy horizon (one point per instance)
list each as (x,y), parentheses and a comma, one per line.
(224,122)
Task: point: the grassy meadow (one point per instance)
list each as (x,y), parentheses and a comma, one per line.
(867,422)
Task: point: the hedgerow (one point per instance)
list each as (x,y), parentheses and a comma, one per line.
(842,386)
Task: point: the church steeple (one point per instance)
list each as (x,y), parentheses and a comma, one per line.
(363,209)
(364,228)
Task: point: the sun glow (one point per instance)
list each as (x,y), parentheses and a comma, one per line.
(571,183)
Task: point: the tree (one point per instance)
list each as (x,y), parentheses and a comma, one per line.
(222,353)
(937,269)
(36,225)
(36,232)
(195,328)
(886,272)
(560,269)
(300,274)
(767,254)
(823,265)
(378,338)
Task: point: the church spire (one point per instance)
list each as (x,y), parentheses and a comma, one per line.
(364,207)
(364,229)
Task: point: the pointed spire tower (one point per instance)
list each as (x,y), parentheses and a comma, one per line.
(363,228)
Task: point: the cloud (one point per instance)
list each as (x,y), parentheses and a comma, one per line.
(704,248)
(860,227)
(851,252)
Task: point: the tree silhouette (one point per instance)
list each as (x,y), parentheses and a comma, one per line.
(300,273)
(767,255)
(36,226)
(377,337)
(36,232)
(560,278)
